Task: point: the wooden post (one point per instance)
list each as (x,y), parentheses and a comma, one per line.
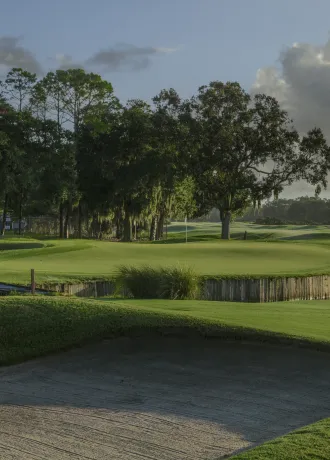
(33,282)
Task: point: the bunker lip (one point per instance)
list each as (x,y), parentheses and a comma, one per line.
(230,334)
(164,398)
(203,333)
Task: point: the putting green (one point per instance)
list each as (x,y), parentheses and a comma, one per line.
(74,259)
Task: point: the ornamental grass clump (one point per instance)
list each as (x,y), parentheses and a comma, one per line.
(176,283)
(139,282)
(179,283)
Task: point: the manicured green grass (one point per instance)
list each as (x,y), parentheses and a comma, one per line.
(266,252)
(308,319)
(33,326)
(309,443)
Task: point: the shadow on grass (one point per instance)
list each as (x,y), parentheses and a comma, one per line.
(209,237)
(181,228)
(13,246)
(308,236)
(307,227)
(269,227)
(191,239)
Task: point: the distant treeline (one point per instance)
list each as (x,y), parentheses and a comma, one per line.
(302,210)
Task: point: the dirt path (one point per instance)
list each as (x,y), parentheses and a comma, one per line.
(163,399)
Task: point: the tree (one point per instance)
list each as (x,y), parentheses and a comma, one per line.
(71,97)
(97,163)
(249,150)
(10,155)
(132,139)
(113,164)
(18,87)
(168,157)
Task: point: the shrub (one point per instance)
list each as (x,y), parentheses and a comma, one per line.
(270,221)
(146,282)
(142,283)
(179,283)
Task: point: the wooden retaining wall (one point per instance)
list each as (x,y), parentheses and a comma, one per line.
(90,289)
(268,289)
(232,290)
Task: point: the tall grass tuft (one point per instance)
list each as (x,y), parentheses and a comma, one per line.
(176,283)
(141,283)
(179,283)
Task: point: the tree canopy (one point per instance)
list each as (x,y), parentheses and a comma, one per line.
(72,152)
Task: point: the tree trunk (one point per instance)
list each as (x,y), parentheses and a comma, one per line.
(152,229)
(67,222)
(4,215)
(61,220)
(95,226)
(160,226)
(79,220)
(127,236)
(66,225)
(135,230)
(20,215)
(154,233)
(118,229)
(225,227)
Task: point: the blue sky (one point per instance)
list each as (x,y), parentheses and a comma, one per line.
(215,39)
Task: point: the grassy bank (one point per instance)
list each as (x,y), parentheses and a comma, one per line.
(31,327)
(309,319)
(308,443)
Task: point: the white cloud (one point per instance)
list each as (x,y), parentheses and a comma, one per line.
(302,86)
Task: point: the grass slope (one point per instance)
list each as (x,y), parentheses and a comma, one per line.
(309,443)
(307,319)
(266,252)
(33,326)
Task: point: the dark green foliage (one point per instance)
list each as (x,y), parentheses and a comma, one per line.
(237,137)
(299,211)
(96,168)
(270,221)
